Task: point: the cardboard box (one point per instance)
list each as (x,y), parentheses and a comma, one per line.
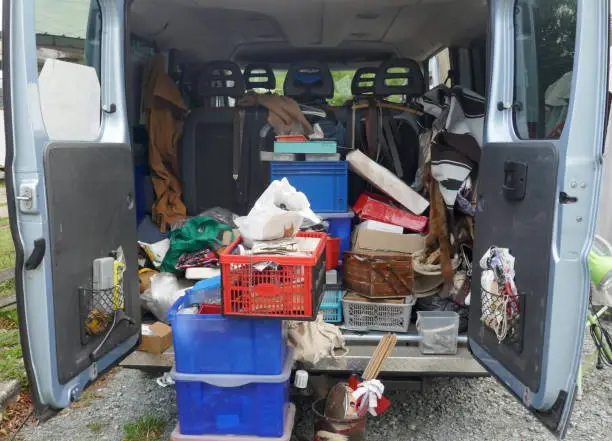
(372,240)
(380,226)
(156,338)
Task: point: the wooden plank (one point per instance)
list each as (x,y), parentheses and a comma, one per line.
(149,362)
(7,300)
(7,274)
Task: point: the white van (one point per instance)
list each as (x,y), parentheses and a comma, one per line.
(71,187)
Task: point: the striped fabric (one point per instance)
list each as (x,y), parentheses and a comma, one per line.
(455,151)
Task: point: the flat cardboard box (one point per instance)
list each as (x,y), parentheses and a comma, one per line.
(380,226)
(156,338)
(372,240)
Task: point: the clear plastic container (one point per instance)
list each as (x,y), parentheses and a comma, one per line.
(438,331)
(289,422)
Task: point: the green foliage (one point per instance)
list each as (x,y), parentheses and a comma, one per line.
(146,428)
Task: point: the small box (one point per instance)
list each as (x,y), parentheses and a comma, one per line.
(380,226)
(306,147)
(372,240)
(156,338)
(370,206)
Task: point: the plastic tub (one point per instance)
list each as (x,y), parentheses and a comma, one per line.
(373,316)
(340,226)
(333,253)
(325,183)
(289,422)
(213,344)
(438,331)
(331,306)
(233,404)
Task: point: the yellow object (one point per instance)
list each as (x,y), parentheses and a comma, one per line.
(118,268)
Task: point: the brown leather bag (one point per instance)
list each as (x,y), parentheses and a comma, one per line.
(379,274)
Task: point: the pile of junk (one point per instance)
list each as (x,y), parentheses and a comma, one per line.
(357,223)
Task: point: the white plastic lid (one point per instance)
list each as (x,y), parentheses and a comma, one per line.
(349,214)
(237,380)
(301,379)
(289,422)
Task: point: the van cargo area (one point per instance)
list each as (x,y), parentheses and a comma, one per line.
(362,86)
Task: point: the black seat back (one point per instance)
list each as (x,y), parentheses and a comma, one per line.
(207,147)
(309,82)
(259,76)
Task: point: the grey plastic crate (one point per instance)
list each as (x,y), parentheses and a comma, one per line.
(438,331)
(370,316)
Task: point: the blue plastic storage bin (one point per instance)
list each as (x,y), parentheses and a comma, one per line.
(233,404)
(213,344)
(331,306)
(325,183)
(340,226)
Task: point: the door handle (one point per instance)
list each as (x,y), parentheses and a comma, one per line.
(515,180)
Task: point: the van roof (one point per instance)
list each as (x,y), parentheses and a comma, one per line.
(341,31)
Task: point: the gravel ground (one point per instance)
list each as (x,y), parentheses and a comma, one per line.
(451,409)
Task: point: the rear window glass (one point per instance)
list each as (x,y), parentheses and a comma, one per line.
(545,41)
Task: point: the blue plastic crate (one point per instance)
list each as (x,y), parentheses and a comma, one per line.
(340,226)
(233,404)
(325,183)
(213,344)
(331,306)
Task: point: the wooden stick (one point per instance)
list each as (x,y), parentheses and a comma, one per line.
(382,352)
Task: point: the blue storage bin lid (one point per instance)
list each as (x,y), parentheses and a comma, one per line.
(235,380)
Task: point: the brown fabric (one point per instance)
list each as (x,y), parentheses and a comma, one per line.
(164,108)
(284,112)
(438,236)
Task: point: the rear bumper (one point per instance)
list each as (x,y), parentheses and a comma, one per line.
(405,361)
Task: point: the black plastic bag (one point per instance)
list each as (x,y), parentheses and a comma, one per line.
(437,303)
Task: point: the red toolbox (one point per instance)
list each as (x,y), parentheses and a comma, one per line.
(289,287)
(371,206)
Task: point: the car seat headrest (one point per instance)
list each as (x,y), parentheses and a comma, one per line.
(308,80)
(220,78)
(401,76)
(259,76)
(364,81)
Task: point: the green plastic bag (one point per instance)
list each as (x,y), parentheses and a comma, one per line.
(198,233)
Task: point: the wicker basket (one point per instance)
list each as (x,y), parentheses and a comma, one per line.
(364,315)
(379,275)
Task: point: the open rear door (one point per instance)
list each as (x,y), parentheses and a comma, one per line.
(537,195)
(70,192)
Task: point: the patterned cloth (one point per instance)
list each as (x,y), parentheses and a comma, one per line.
(197,259)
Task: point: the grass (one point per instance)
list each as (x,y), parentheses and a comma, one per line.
(11,358)
(7,259)
(4,221)
(146,428)
(96,426)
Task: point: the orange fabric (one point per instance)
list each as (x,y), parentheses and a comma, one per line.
(283,112)
(164,108)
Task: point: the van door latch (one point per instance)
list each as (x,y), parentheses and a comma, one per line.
(27,197)
(515,180)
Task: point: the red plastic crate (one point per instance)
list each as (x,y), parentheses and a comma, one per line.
(292,291)
(370,206)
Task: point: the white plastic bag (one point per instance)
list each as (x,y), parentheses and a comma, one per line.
(279,212)
(165,290)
